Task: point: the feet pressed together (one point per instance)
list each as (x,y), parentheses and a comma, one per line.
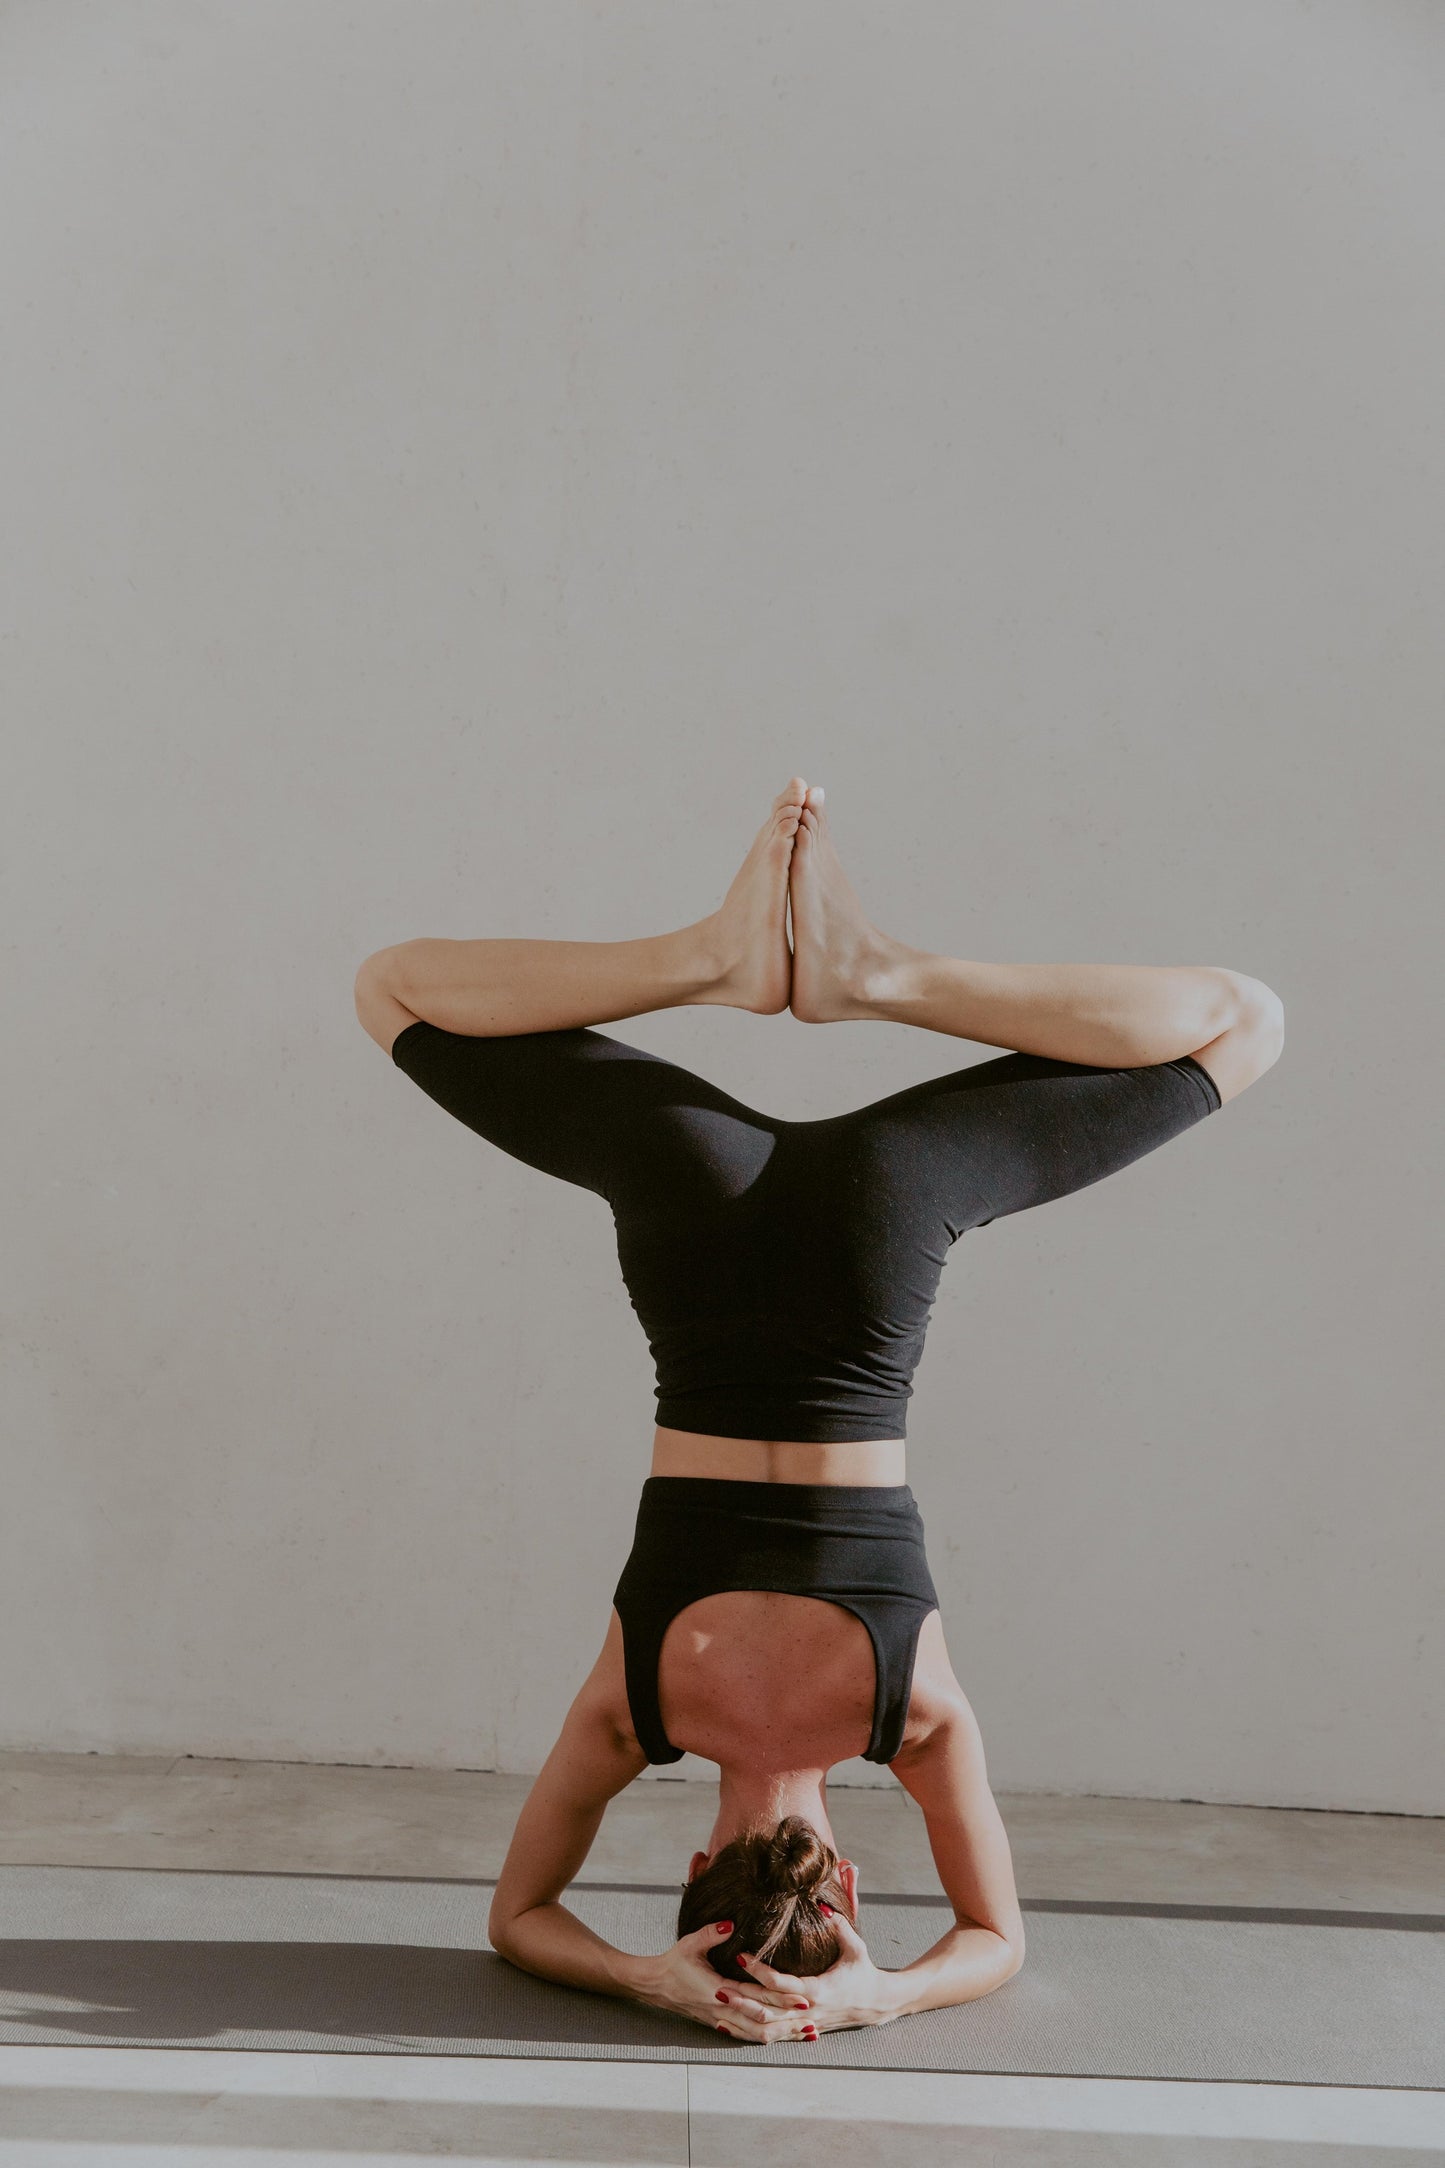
(838,964)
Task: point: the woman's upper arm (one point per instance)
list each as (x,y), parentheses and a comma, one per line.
(596,1756)
(946,1774)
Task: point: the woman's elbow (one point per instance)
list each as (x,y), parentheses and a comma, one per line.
(501,1931)
(1005,1961)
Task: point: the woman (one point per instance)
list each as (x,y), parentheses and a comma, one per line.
(776,1614)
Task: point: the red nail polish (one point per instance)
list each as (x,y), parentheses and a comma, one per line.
(723,2029)
(825,1908)
(724,1927)
(721,1996)
(800,2006)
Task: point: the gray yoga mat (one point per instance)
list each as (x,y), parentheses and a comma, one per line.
(118,1957)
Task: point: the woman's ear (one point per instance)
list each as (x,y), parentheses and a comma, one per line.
(695,1865)
(848,1876)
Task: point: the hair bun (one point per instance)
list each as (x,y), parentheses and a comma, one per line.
(767,1882)
(795,1860)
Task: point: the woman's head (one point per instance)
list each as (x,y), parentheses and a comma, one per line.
(773,1885)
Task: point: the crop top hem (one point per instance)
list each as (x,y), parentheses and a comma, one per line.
(777,1423)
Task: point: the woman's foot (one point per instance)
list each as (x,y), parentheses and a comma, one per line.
(747,936)
(840,959)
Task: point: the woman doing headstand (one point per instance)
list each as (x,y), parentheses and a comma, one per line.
(776,1614)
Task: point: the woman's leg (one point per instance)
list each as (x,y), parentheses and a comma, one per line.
(1112,1015)
(737,956)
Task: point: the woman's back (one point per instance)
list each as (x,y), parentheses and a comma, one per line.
(755,1678)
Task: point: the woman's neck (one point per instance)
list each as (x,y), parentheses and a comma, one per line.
(760,1798)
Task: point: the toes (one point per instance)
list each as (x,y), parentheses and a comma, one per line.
(792,794)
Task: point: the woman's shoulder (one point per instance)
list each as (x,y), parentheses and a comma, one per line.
(938,1708)
(602,1697)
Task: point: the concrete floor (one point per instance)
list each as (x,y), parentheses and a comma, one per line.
(82,2107)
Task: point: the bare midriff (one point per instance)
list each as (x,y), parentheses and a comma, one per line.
(877,1461)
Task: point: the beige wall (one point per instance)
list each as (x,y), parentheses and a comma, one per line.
(460,461)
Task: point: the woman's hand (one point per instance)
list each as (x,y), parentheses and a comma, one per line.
(851,1992)
(683,1981)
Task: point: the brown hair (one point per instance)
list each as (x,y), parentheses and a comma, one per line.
(770,1884)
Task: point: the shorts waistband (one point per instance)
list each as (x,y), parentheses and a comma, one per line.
(777,1501)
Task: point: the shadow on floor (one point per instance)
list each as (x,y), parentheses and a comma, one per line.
(369,1995)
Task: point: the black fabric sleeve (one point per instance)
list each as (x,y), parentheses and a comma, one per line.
(577,1104)
(1018,1131)
(535,1095)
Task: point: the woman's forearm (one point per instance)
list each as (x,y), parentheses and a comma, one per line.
(965,1963)
(552,1942)
(1108,1015)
